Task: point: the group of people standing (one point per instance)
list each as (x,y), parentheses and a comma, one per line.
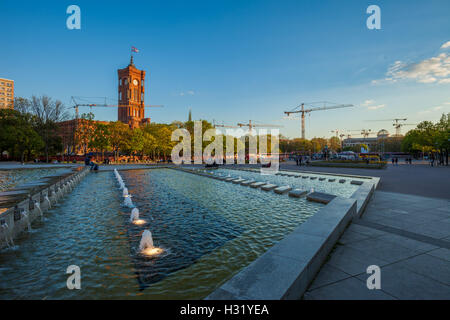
(300,160)
(437,158)
(395,161)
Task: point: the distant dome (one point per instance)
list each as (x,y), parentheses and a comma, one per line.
(383,133)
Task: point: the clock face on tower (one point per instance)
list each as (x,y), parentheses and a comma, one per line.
(135,82)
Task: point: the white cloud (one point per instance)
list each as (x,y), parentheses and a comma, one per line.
(380,106)
(189,92)
(370,104)
(446,45)
(432,70)
(367,103)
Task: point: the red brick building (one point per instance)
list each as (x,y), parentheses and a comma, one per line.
(131,96)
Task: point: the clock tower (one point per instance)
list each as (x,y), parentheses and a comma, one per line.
(131,96)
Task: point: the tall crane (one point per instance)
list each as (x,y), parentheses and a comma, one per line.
(251,125)
(77,105)
(303,111)
(397,125)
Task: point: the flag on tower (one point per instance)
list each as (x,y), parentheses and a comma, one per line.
(134,49)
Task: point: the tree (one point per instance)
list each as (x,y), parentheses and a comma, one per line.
(101,138)
(429,137)
(334,144)
(85,131)
(318,144)
(47,112)
(149,145)
(163,136)
(136,144)
(17,135)
(22,105)
(119,134)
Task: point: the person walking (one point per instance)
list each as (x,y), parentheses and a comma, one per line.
(396,161)
(393,161)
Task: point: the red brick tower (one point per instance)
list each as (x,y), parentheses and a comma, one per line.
(131,96)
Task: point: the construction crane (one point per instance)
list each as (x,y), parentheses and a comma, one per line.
(77,105)
(251,125)
(337,133)
(397,125)
(364,132)
(222,126)
(303,111)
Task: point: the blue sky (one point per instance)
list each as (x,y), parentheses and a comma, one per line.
(238,60)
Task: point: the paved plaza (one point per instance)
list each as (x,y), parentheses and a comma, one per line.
(406,235)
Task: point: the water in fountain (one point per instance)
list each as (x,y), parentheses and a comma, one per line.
(27,219)
(134,214)
(146,241)
(38,206)
(127,202)
(9,240)
(49,203)
(125,192)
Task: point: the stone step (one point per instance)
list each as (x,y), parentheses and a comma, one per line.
(281,190)
(247,182)
(268,187)
(257,184)
(297,193)
(320,197)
